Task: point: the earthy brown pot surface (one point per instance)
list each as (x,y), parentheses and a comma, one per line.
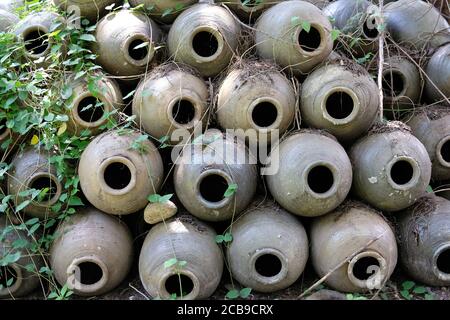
(438,69)
(432,127)
(169,98)
(33,31)
(314,175)
(340,97)
(116,178)
(255,95)
(31,169)
(205,172)
(416,23)
(269,248)
(91,10)
(24,281)
(120,42)
(424,241)
(198,260)
(391,167)
(91,110)
(7,20)
(92,252)
(361,239)
(279,36)
(205,36)
(164,11)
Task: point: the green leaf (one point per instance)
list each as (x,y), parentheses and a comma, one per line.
(154,198)
(295,21)
(349,296)
(165,198)
(230,190)
(227,237)
(429,189)
(429,296)
(75,201)
(244,293)
(66,92)
(405,294)
(142,45)
(33,229)
(20,243)
(171,262)
(32,221)
(182,263)
(306,26)
(219,238)
(87,37)
(408,285)
(232,294)
(22,205)
(52,295)
(335,34)
(129,95)
(110,7)
(166,12)
(420,290)
(10,258)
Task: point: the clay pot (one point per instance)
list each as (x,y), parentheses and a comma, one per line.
(360,237)
(437,70)
(357,20)
(116,178)
(193,243)
(11,5)
(432,127)
(256,96)
(92,252)
(118,35)
(33,30)
(269,249)
(205,36)
(341,98)
(424,232)
(314,175)
(280,37)
(391,167)
(401,84)
(91,10)
(32,170)
(91,110)
(416,23)
(24,281)
(7,20)
(170,98)
(164,11)
(206,170)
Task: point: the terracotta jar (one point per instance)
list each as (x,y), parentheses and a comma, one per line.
(391,167)
(7,20)
(360,239)
(171,97)
(116,178)
(91,10)
(205,36)
(198,267)
(269,248)
(314,173)
(437,70)
(279,36)
(126,42)
(92,252)
(31,169)
(23,280)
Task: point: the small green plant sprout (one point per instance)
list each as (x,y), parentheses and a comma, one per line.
(156,198)
(305,25)
(175,263)
(139,144)
(62,294)
(231,190)
(224,238)
(234,293)
(251,3)
(410,288)
(355,296)
(335,33)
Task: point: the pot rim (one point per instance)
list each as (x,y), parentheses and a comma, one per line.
(196,103)
(378,277)
(125,47)
(220,41)
(51,176)
(17,284)
(321,46)
(278,119)
(107,107)
(280,276)
(416,172)
(195,281)
(402,93)
(355,110)
(438,273)
(209,204)
(40,28)
(336,179)
(439,146)
(79,287)
(117,159)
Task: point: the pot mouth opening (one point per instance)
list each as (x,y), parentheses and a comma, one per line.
(90,111)
(138,50)
(48,184)
(268,266)
(265,113)
(10,279)
(87,275)
(321,179)
(442,262)
(367,270)
(340,106)
(184,112)
(118,175)
(207,44)
(36,41)
(394,83)
(443,152)
(403,173)
(4,131)
(183,284)
(310,41)
(370,30)
(211,187)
